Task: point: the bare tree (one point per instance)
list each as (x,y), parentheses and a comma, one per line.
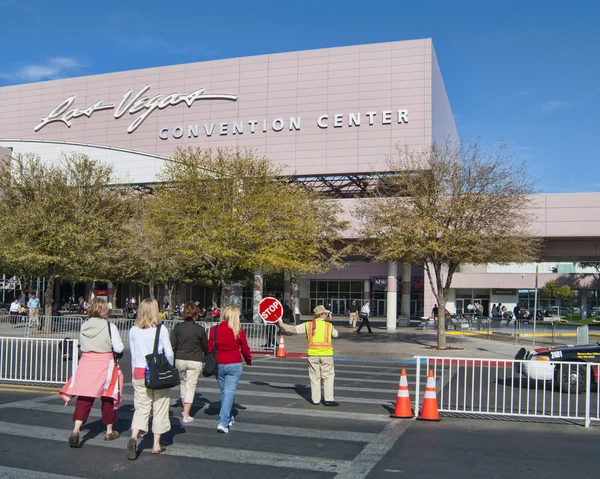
(448,205)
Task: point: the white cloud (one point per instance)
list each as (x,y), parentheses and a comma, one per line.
(53,68)
(554,105)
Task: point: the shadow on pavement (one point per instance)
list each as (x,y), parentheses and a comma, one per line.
(301,390)
(379,336)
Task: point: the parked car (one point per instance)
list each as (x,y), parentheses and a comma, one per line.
(547,364)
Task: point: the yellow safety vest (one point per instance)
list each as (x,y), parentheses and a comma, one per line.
(318,334)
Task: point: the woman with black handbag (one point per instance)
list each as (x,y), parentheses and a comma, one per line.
(98,373)
(144,337)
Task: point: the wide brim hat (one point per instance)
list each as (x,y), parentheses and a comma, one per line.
(320,310)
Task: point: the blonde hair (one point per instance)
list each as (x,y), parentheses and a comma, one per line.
(147,314)
(98,308)
(231,316)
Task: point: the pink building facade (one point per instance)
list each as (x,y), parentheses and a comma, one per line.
(321,113)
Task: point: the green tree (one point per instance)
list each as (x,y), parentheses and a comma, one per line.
(592,264)
(65,218)
(449,205)
(235,212)
(553,290)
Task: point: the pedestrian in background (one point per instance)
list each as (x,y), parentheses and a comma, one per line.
(14,311)
(148,401)
(231,345)
(365,314)
(190,344)
(320,354)
(353,315)
(98,373)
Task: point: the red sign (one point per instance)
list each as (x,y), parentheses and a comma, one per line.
(101,292)
(270,310)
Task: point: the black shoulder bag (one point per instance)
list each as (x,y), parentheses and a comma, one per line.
(209,362)
(159,373)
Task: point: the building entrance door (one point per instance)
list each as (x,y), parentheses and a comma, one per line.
(338,306)
(379,307)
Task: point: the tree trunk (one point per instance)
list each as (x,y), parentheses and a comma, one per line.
(215,296)
(293,298)
(151,288)
(171,289)
(441,296)
(223,302)
(115,290)
(49,300)
(441,329)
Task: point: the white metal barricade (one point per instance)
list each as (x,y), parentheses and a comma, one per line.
(521,388)
(37,361)
(261,337)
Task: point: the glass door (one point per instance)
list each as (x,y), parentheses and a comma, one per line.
(338,306)
(380,308)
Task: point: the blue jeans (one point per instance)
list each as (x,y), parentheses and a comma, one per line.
(228,376)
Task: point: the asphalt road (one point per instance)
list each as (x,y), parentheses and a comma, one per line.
(279,434)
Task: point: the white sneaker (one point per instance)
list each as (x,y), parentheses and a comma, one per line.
(231,422)
(222,429)
(189,419)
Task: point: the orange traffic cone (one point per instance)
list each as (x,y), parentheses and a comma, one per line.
(429,411)
(281,348)
(403,410)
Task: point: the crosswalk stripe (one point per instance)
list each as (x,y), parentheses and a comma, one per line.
(337,388)
(363,463)
(283,374)
(278,395)
(333,435)
(212,453)
(16,473)
(313,412)
(340,364)
(337,369)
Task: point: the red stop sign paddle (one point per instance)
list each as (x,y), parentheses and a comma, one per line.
(270,310)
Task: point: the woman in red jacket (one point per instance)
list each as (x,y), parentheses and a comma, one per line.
(230,341)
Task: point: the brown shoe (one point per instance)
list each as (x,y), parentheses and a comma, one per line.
(74,441)
(131,451)
(112,436)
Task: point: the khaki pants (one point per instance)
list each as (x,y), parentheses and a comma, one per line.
(150,401)
(353,319)
(320,370)
(189,372)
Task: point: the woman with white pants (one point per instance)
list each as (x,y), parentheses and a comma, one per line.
(148,401)
(190,344)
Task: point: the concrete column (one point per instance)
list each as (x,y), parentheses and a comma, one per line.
(406,275)
(286,288)
(392,295)
(429,299)
(257,293)
(367,290)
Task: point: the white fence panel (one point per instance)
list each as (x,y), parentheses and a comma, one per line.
(37,361)
(520,388)
(261,337)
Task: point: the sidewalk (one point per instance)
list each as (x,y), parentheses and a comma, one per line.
(404,343)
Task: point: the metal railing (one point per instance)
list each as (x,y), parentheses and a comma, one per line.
(37,361)
(520,388)
(260,336)
(521,332)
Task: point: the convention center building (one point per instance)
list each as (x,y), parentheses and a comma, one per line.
(329,117)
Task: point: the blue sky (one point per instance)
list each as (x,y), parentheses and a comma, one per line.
(526,72)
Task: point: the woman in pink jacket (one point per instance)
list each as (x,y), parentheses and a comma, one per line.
(98,373)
